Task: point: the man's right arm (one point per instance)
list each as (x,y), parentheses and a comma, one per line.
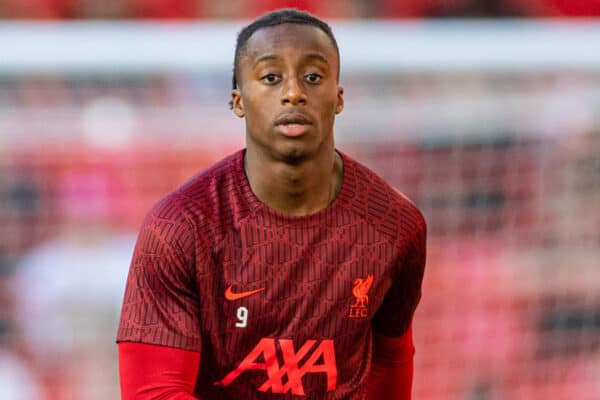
(159,332)
(153,372)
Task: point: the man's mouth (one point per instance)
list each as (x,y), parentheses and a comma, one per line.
(292,124)
(293,129)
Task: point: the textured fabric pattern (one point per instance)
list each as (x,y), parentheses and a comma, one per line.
(264,296)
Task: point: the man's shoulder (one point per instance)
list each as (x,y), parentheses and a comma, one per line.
(212,178)
(382,204)
(200,195)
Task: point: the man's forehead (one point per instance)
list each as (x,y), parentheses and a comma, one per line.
(300,36)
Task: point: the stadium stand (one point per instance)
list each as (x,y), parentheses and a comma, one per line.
(504,162)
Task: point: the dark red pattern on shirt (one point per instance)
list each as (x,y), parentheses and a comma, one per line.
(213,233)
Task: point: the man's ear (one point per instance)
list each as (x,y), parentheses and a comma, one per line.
(237,104)
(340,104)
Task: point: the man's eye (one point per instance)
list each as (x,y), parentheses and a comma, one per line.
(270,79)
(312,78)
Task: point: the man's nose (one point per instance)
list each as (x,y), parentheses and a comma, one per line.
(293,92)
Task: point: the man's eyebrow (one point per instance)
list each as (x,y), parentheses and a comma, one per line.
(317,56)
(274,57)
(266,57)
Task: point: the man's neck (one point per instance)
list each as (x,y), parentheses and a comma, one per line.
(295,189)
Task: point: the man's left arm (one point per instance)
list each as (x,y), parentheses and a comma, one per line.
(391,367)
(393,351)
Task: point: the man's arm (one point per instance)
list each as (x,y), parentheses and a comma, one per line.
(152,372)
(391,368)
(159,331)
(393,349)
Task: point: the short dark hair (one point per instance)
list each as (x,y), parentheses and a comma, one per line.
(274,18)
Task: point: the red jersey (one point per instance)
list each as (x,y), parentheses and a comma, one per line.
(279,306)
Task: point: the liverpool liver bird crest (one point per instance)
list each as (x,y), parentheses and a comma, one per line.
(360,290)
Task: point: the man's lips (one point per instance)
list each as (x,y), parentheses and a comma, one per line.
(292,124)
(293,118)
(292,130)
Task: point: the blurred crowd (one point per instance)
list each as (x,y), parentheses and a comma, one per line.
(510,309)
(209,9)
(505,166)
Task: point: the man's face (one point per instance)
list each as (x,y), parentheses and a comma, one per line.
(289,92)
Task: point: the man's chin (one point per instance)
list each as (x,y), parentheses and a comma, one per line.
(293,157)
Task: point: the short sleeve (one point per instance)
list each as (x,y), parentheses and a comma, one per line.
(394,316)
(161,302)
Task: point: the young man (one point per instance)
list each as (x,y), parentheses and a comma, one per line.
(287,270)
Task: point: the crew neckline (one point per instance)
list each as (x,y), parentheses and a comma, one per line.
(256,205)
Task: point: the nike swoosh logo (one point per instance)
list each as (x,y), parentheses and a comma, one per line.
(229,295)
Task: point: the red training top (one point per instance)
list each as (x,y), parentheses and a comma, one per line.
(278,306)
